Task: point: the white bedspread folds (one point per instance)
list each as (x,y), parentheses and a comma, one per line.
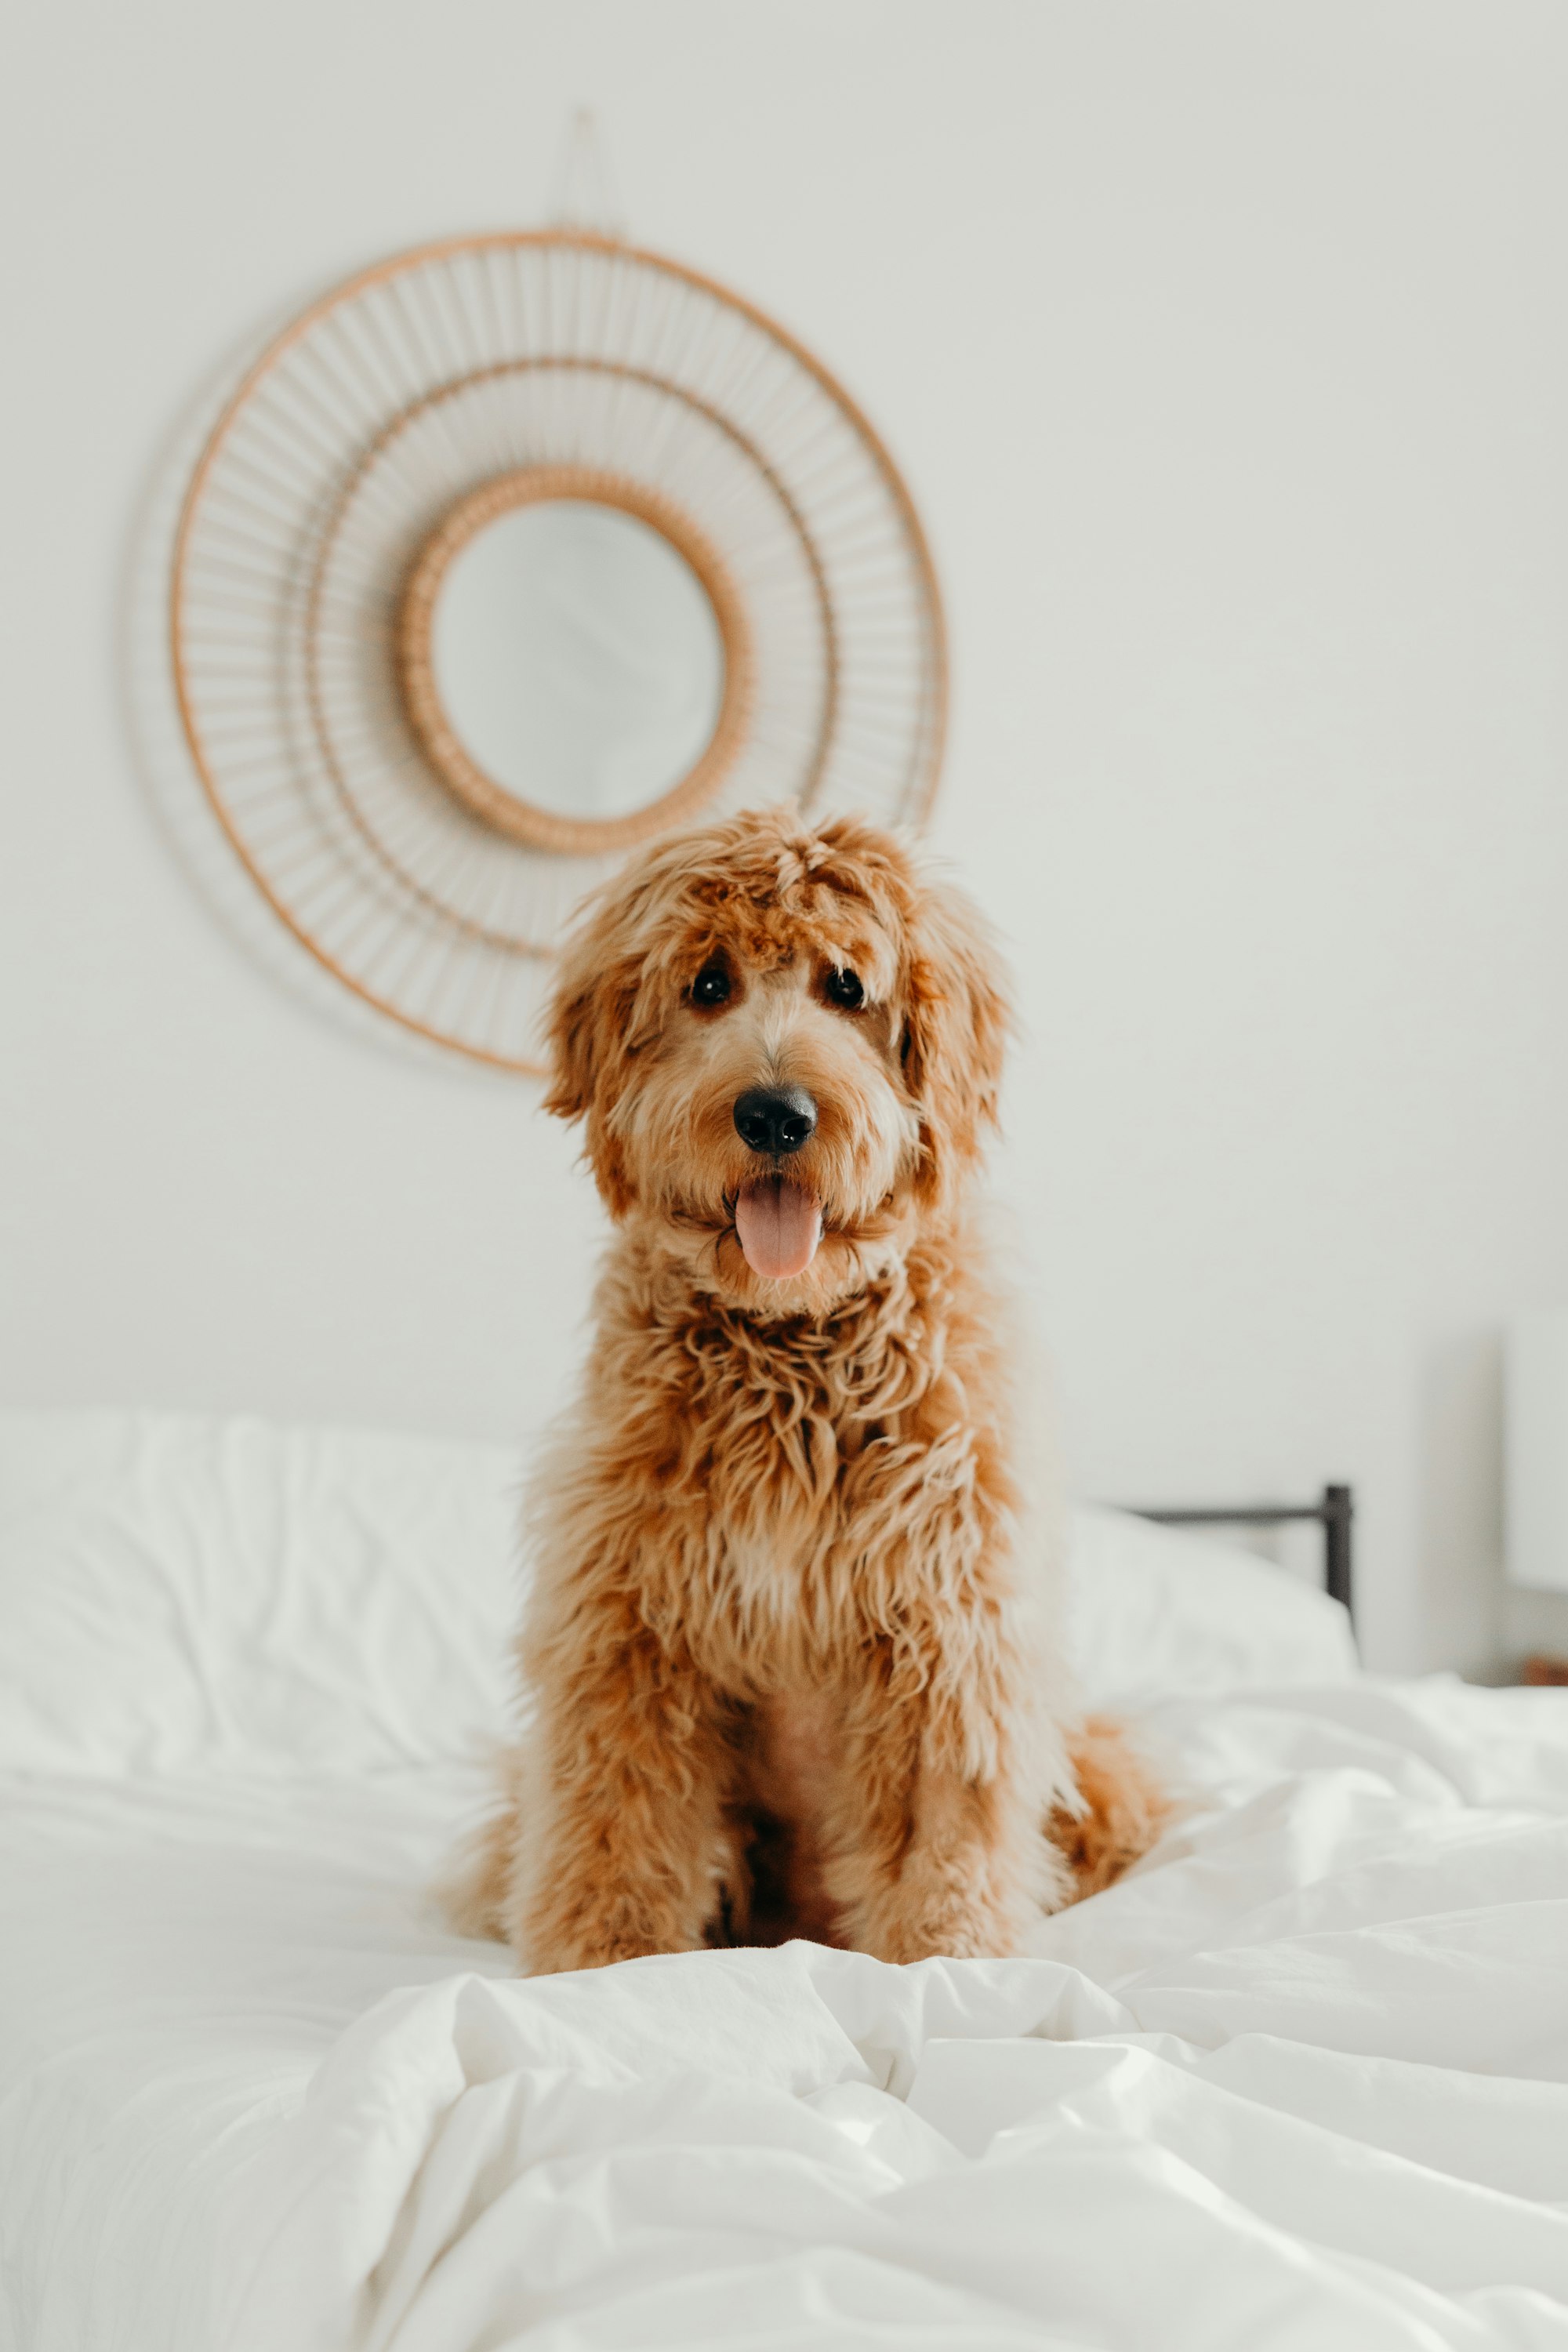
(1299,2083)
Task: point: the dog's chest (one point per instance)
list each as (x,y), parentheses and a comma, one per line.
(795,1470)
(799,1516)
(769,1434)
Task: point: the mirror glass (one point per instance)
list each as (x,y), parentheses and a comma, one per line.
(577,658)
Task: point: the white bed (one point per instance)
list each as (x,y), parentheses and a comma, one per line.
(1300,2082)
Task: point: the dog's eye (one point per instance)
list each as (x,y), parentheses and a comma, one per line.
(712,985)
(844,988)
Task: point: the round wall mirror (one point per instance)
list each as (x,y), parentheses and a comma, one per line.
(577,658)
(574,659)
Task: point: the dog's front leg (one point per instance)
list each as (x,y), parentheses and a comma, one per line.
(620,1837)
(937,1845)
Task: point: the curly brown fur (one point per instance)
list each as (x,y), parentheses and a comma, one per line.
(792,1636)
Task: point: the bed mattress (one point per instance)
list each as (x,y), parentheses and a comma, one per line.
(1299,2082)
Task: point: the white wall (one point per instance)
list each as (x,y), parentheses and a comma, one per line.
(1225,347)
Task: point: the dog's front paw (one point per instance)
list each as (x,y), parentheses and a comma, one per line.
(550,1944)
(944,1928)
(559,1959)
(967,1939)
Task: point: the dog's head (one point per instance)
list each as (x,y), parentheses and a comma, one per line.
(786,1042)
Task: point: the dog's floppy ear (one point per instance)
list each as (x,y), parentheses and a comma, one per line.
(590,1020)
(956,1021)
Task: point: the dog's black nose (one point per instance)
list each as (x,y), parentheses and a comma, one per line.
(775,1118)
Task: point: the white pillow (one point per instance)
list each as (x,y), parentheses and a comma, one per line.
(1156,1611)
(179,1594)
(177,1591)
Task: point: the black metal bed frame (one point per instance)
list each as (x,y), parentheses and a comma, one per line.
(1334,1514)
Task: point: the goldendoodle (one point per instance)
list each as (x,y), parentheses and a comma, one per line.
(792,1643)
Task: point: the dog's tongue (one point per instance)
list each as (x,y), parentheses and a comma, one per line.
(779,1227)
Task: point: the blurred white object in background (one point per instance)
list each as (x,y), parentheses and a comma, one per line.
(1536,1442)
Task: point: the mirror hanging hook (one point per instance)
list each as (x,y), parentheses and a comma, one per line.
(587,197)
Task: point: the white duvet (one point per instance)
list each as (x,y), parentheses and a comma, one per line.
(1302,2081)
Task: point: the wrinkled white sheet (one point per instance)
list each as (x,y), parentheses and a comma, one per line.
(1300,2082)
